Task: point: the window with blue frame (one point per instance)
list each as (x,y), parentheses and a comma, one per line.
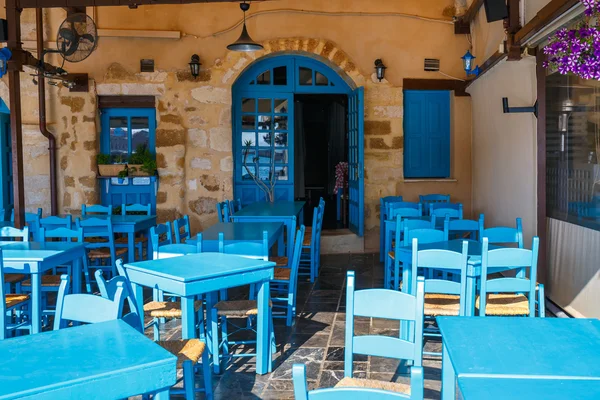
(426,134)
(125,129)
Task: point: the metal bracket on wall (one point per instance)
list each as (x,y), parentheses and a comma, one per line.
(508,110)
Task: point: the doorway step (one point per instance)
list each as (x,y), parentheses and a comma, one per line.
(341,241)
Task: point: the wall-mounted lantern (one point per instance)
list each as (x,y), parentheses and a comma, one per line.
(468,64)
(380,69)
(5,55)
(195,66)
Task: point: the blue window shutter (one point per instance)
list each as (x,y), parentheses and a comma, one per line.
(426,134)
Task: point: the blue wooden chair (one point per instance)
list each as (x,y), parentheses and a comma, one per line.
(503,234)
(382,217)
(101,252)
(188,352)
(509,295)
(391,305)
(13,280)
(223,211)
(234,205)
(181,228)
(461,228)
(427,235)
(401,208)
(443,297)
(391,278)
(441,210)
(350,393)
(54,222)
(140,241)
(96,209)
(284,286)
(311,246)
(428,199)
(14,308)
(160,235)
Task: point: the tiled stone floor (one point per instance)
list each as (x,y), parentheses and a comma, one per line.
(317,339)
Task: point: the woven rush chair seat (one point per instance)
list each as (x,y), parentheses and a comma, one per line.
(123,240)
(279,261)
(12,300)
(505,304)
(167,309)
(374,384)
(47,280)
(442,304)
(95,240)
(307,240)
(392,255)
(184,350)
(238,308)
(283,274)
(104,252)
(14,278)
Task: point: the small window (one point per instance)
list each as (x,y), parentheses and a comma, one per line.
(280,76)
(264,78)
(305,76)
(126,129)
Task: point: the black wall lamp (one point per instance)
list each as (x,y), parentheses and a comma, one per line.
(380,69)
(510,110)
(195,66)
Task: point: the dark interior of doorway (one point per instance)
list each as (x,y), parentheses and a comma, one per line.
(321,142)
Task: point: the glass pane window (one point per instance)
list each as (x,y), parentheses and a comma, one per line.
(280,76)
(248,139)
(281,173)
(281,156)
(264,105)
(281,106)
(321,79)
(281,123)
(124,130)
(264,78)
(140,133)
(264,122)
(281,139)
(248,105)
(264,139)
(119,136)
(305,76)
(248,122)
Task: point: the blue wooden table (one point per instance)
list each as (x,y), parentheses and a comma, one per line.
(288,212)
(206,273)
(473,267)
(528,389)
(35,258)
(108,360)
(238,232)
(129,225)
(513,347)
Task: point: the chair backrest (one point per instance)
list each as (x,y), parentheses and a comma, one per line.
(30,218)
(427,235)
(96,209)
(449,261)
(504,234)
(181,227)
(86,308)
(346,393)
(317,225)
(259,250)
(133,306)
(61,233)
(428,199)
(401,204)
(223,211)
(97,227)
(410,224)
(127,209)
(460,227)
(8,232)
(161,235)
(54,222)
(386,304)
(393,213)
(453,210)
(111,290)
(296,256)
(510,258)
(234,205)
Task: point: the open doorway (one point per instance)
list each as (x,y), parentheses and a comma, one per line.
(321,143)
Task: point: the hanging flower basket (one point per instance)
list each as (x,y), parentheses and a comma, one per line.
(577,50)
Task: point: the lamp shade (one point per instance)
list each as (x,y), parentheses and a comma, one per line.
(245,42)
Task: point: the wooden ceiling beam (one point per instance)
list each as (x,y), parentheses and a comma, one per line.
(463,24)
(100,3)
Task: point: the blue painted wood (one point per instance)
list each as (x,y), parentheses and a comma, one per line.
(458,228)
(356,161)
(529,349)
(424,235)
(527,389)
(7,324)
(10,232)
(284,291)
(36,258)
(523,260)
(382,217)
(6,179)
(426,134)
(160,235)
(96,209)
(125,364)
(107,113)
(288,212)
(129,209)
(388,304)
(310,257)
(441,210)
(181,229)
(239,231)
(223,211)
(206,273)
(301,390)
(250,249)
(504,234)
(428,199)
(234,205)
(54,222)
(133,190)
(100,228)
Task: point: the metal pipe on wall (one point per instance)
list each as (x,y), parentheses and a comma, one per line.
(39,26)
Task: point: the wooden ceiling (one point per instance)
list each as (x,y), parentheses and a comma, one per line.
(98,3)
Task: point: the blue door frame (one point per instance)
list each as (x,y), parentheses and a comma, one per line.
(263,126)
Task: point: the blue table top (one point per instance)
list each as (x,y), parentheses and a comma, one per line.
(528,389)
(242,231)
(517,346)
(32,364)
(35,251)
(201,266)
(276,209)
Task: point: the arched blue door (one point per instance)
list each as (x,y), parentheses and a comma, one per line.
(263,127)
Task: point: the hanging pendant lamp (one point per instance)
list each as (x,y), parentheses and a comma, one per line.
(245,42)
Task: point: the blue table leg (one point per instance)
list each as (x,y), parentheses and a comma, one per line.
(131,246)
(188,317)
(36,303)
(262,329)
(471,290)
(448,376)
(138,293)
(76,268)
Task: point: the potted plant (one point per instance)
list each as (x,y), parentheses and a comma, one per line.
(266,185)
(106,167)
(142,162)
